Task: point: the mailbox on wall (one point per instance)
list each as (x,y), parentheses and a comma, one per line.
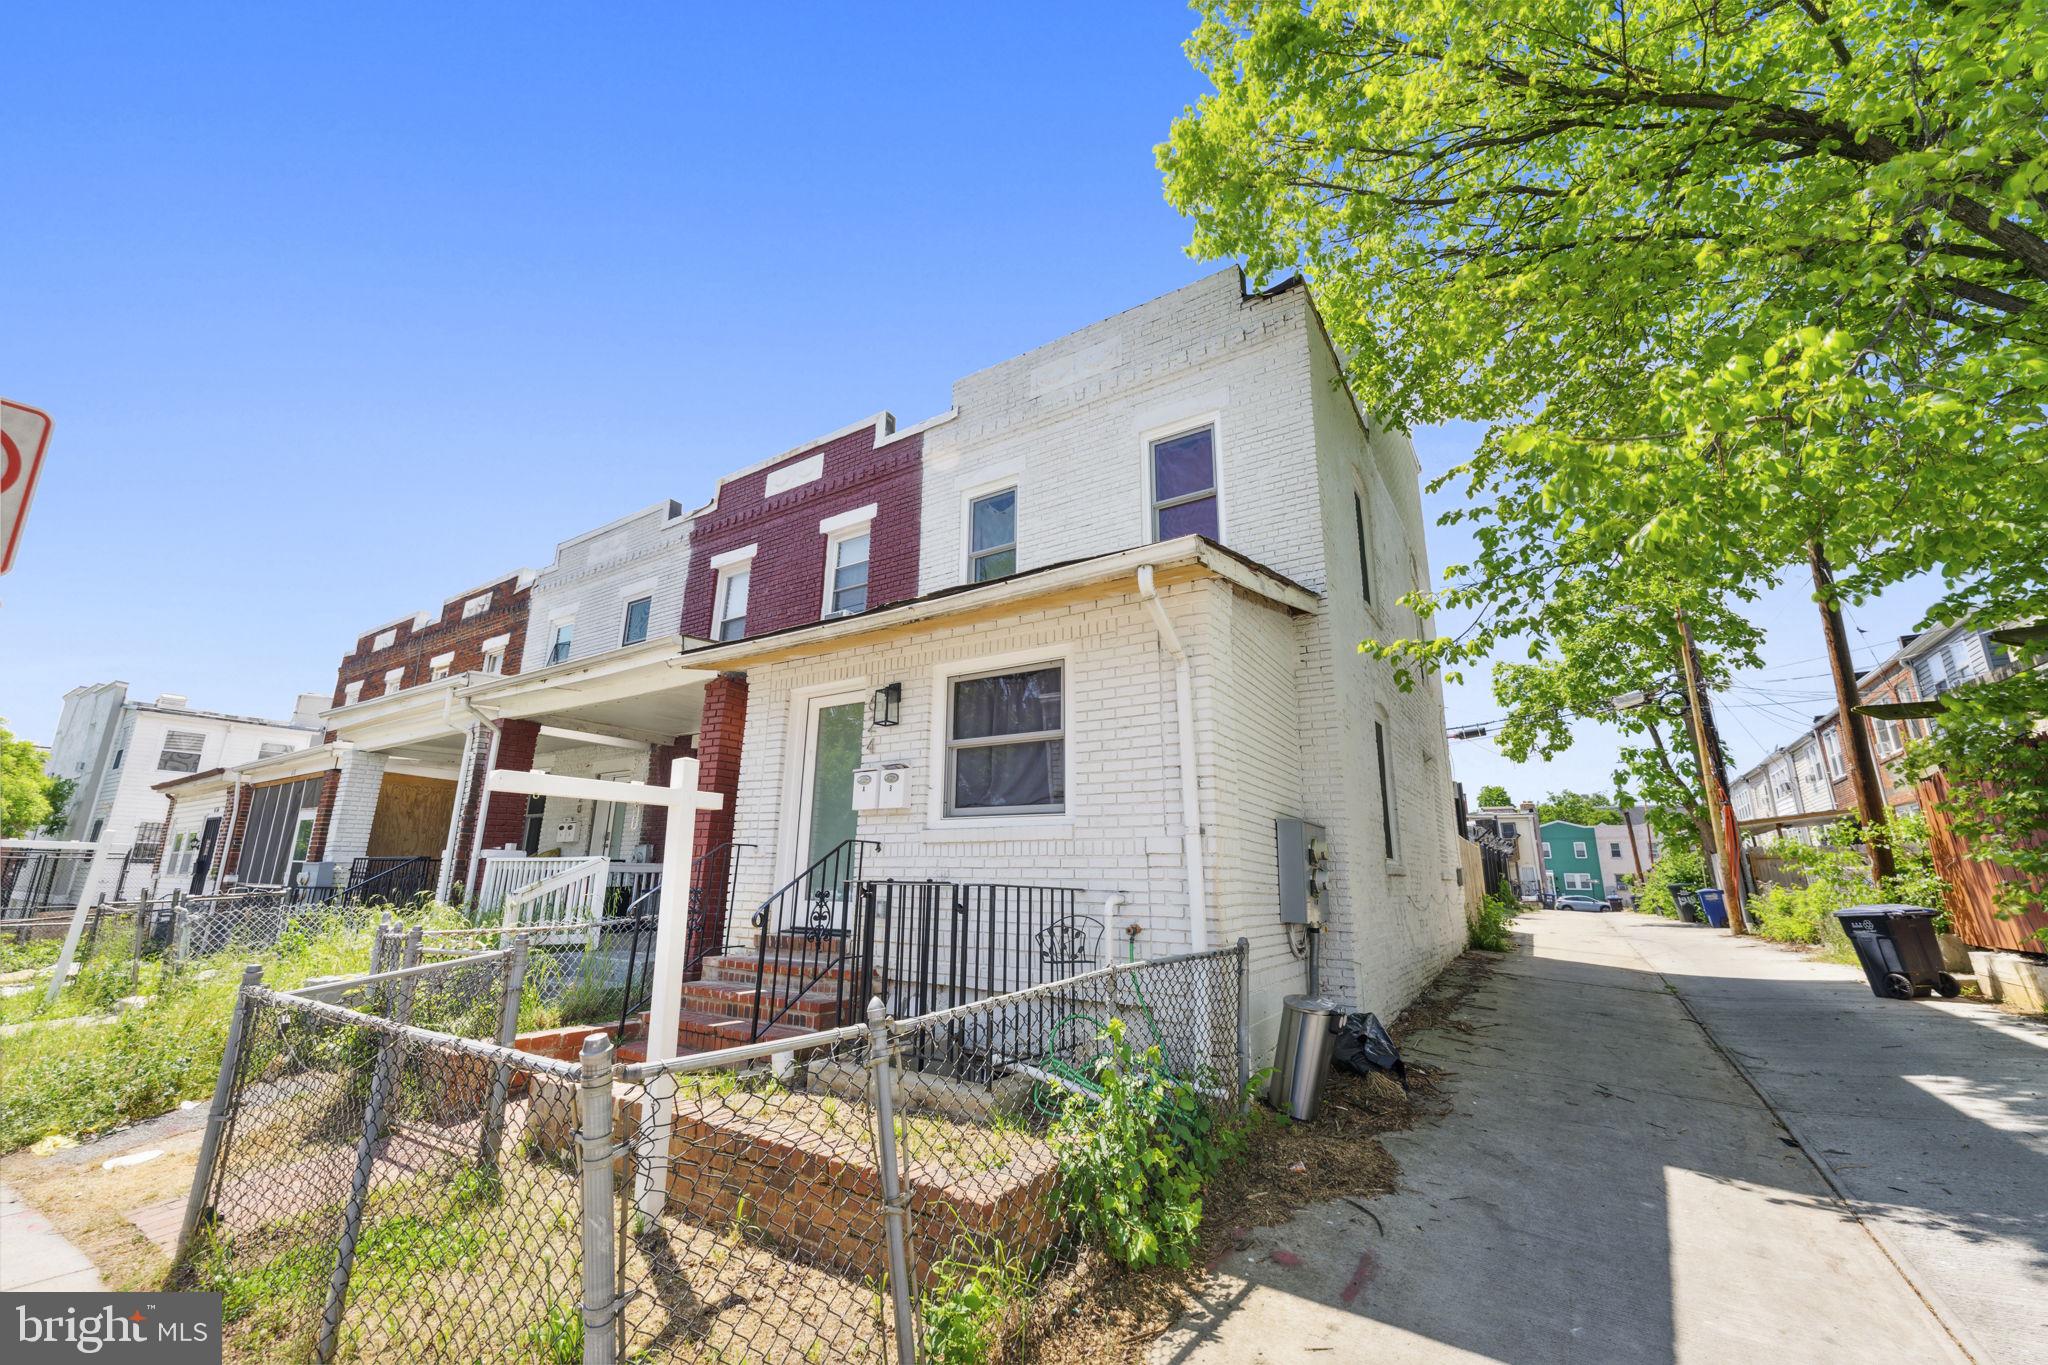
(882,786)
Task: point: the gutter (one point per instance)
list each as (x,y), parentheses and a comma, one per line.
(1190,795)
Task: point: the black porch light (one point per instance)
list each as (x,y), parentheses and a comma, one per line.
(886,706)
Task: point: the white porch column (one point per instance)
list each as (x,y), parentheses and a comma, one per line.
(355,807)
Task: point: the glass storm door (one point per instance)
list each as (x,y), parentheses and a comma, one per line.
(828,798)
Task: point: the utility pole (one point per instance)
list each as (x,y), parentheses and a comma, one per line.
(1628,826)
(1856,754)
(1714,777)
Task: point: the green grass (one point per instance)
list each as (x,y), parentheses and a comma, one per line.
(88,1078)
(17,957)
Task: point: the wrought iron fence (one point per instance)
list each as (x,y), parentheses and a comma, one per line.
(379,1182)
(391,881)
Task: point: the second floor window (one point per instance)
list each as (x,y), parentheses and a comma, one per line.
(730,621)
(1183,474)
(846,575)
(1578,850)
(992,536)
(637,612)
(272,748)
(181,752)
(352,693)
(494,661)
(1831,745)
(565,640)
(394,680)
(1614,850)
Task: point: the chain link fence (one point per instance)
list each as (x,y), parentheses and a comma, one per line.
(380,1182)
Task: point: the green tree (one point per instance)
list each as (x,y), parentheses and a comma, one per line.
(1728,284)
(1493,794)
(25,805)
(1581,808)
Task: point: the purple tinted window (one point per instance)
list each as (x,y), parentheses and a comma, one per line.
(1196,518)
(1183,465)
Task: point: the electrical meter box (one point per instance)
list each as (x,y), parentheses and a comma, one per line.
(1304,851)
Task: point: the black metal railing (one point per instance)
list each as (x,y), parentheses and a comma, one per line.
(832,938)
(393,881)
(817,934)
(713,875)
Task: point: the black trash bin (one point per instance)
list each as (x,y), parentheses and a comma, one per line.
(1898,950)
(1688,907)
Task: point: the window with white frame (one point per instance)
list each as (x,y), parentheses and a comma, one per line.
(846,572)
(271,748)
(1578,849)
(439,666)
(1831,745)
(385,639)
(729,622)
(1546,851)
(1885,735)
(1614,850)
(493,660)
(476,606)
(352,693)
(1006,743)
(1578,881)
(181,752)
(564,641)
(638,613)
(1182,471)
(393,680)
(992,536)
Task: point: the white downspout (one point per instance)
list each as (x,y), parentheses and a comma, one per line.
(1190,794)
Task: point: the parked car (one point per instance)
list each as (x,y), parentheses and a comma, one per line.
(1580,903)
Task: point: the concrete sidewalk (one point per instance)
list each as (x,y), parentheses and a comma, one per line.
(1607,1187)
(1931,1117)
(35,1258)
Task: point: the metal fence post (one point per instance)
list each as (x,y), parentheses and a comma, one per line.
(383,1080)
(141,937)
(594,1154)
(223,1100)
(1244,1025)
(508,1032)
(882,1064)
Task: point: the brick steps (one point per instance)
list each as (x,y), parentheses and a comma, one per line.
(697,1031)
(742,967)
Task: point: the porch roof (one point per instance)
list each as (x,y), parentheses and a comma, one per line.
(647,693)
(1181,560)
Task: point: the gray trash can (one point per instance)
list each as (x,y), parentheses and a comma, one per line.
(1308,1034)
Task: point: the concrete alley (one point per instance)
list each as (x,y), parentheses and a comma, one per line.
(1609,1186)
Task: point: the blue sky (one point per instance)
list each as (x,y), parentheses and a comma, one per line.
(385,300)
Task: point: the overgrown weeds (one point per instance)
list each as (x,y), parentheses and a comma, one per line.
(1488,931)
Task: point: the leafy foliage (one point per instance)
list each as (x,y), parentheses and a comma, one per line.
(1493,794)
(1489,931)
(1680,869)
(1727,283)
(1997,774)
(1133,1159)
(25,790)
(1580,808)
(966,1302)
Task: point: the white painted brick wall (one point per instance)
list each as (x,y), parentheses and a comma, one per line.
(355,807)
(597,573)
(602,761)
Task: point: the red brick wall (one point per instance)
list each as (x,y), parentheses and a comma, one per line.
(472,808)
(719,738)
(505,817)
(323,815)
(788,584)
(654,819)
(414,649)
(233,857)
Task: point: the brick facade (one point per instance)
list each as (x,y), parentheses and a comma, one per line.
(654,819)
(505,816)
(415,644)
(323,817)
(232,859)
(788,583)
(721,737)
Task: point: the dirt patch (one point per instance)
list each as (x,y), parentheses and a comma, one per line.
(1099,1313)
(90,1205)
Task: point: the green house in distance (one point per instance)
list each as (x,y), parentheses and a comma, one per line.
(1571,860)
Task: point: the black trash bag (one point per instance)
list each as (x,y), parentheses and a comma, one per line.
(1364,1046)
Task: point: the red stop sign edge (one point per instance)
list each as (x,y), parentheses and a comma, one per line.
(28,484)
